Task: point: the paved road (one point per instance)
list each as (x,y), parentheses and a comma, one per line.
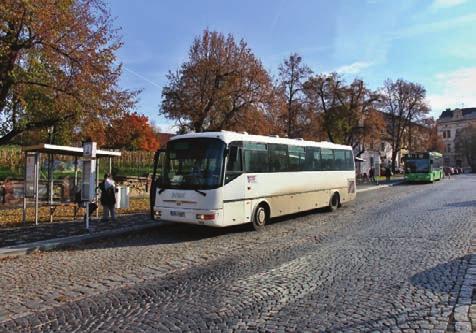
(393,260)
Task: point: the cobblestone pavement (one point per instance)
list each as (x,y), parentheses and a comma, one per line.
(29,233)
(394,260)
(370,185)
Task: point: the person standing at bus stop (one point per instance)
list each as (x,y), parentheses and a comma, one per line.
(372,175)
(388,173)
(108,197)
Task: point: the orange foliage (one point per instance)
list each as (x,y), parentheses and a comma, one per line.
(221,86)
(434,142)
(58,64)
(132,132)
(94,130)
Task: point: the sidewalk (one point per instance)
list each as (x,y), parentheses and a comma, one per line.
(24,239)
(381,184)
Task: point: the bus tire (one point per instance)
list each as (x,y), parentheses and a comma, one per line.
(260,217)
(334,202)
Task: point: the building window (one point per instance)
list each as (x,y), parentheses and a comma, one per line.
(382,146)
(448,148)
(444,134)
(448,134)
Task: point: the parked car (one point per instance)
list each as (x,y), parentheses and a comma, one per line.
(448,171)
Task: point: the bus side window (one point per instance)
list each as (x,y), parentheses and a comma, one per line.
(296,158)
(256,160)
(278,157)
(234,159)
(339,159)
(234,166)
(313,159)
(327,159)
(349,160)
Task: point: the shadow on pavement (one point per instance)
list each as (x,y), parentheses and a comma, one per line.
(461,204)
(173,233)
(166,233)
(442,278)
(470,203)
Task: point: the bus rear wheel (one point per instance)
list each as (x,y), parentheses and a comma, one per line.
(260,218)
(334,203)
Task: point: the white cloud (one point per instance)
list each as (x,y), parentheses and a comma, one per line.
(438,4)
(354,68)
(458,88)
(463,50)
(166,127)
(443,25)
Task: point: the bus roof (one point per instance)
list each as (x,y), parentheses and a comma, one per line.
(228,137)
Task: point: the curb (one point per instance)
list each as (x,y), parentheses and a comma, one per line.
(377,187)
(464,312)
(51,244)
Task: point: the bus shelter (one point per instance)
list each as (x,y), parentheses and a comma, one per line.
(32,173)
(358,166)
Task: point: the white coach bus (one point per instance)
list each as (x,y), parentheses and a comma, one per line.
(225,178)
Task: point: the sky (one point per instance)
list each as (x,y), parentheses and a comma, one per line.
(430,42)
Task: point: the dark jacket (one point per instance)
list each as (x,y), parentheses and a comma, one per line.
(108,196)
(388,172)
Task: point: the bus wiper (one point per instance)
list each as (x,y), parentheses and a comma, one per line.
(202,193)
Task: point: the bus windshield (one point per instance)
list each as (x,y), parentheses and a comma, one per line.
(193,164)
(418,166)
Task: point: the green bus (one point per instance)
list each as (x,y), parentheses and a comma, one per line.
(423,167)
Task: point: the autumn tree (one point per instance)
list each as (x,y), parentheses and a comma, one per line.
(346,111)
(292,75)
(57,65)
(429,138)
(132,132)
(465,144)
(404,102)
(222,85)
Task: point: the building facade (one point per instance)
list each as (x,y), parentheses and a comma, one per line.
(449,122)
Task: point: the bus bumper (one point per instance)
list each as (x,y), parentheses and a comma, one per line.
(418,177)
(213,218)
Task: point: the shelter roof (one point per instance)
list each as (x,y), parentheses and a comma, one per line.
(67,150)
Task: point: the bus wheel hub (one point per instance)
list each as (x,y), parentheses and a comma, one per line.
(261,216)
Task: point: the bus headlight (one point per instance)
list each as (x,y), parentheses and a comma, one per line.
(205,217)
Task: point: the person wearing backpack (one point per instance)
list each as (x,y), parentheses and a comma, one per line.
(108,197)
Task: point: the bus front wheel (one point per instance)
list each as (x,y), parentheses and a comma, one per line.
(260,218)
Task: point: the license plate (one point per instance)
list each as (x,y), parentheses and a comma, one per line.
(178,214)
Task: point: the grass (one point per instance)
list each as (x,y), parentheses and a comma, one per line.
(6,173)
(137,172)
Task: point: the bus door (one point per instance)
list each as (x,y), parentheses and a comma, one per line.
(156,174)
(234,189)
